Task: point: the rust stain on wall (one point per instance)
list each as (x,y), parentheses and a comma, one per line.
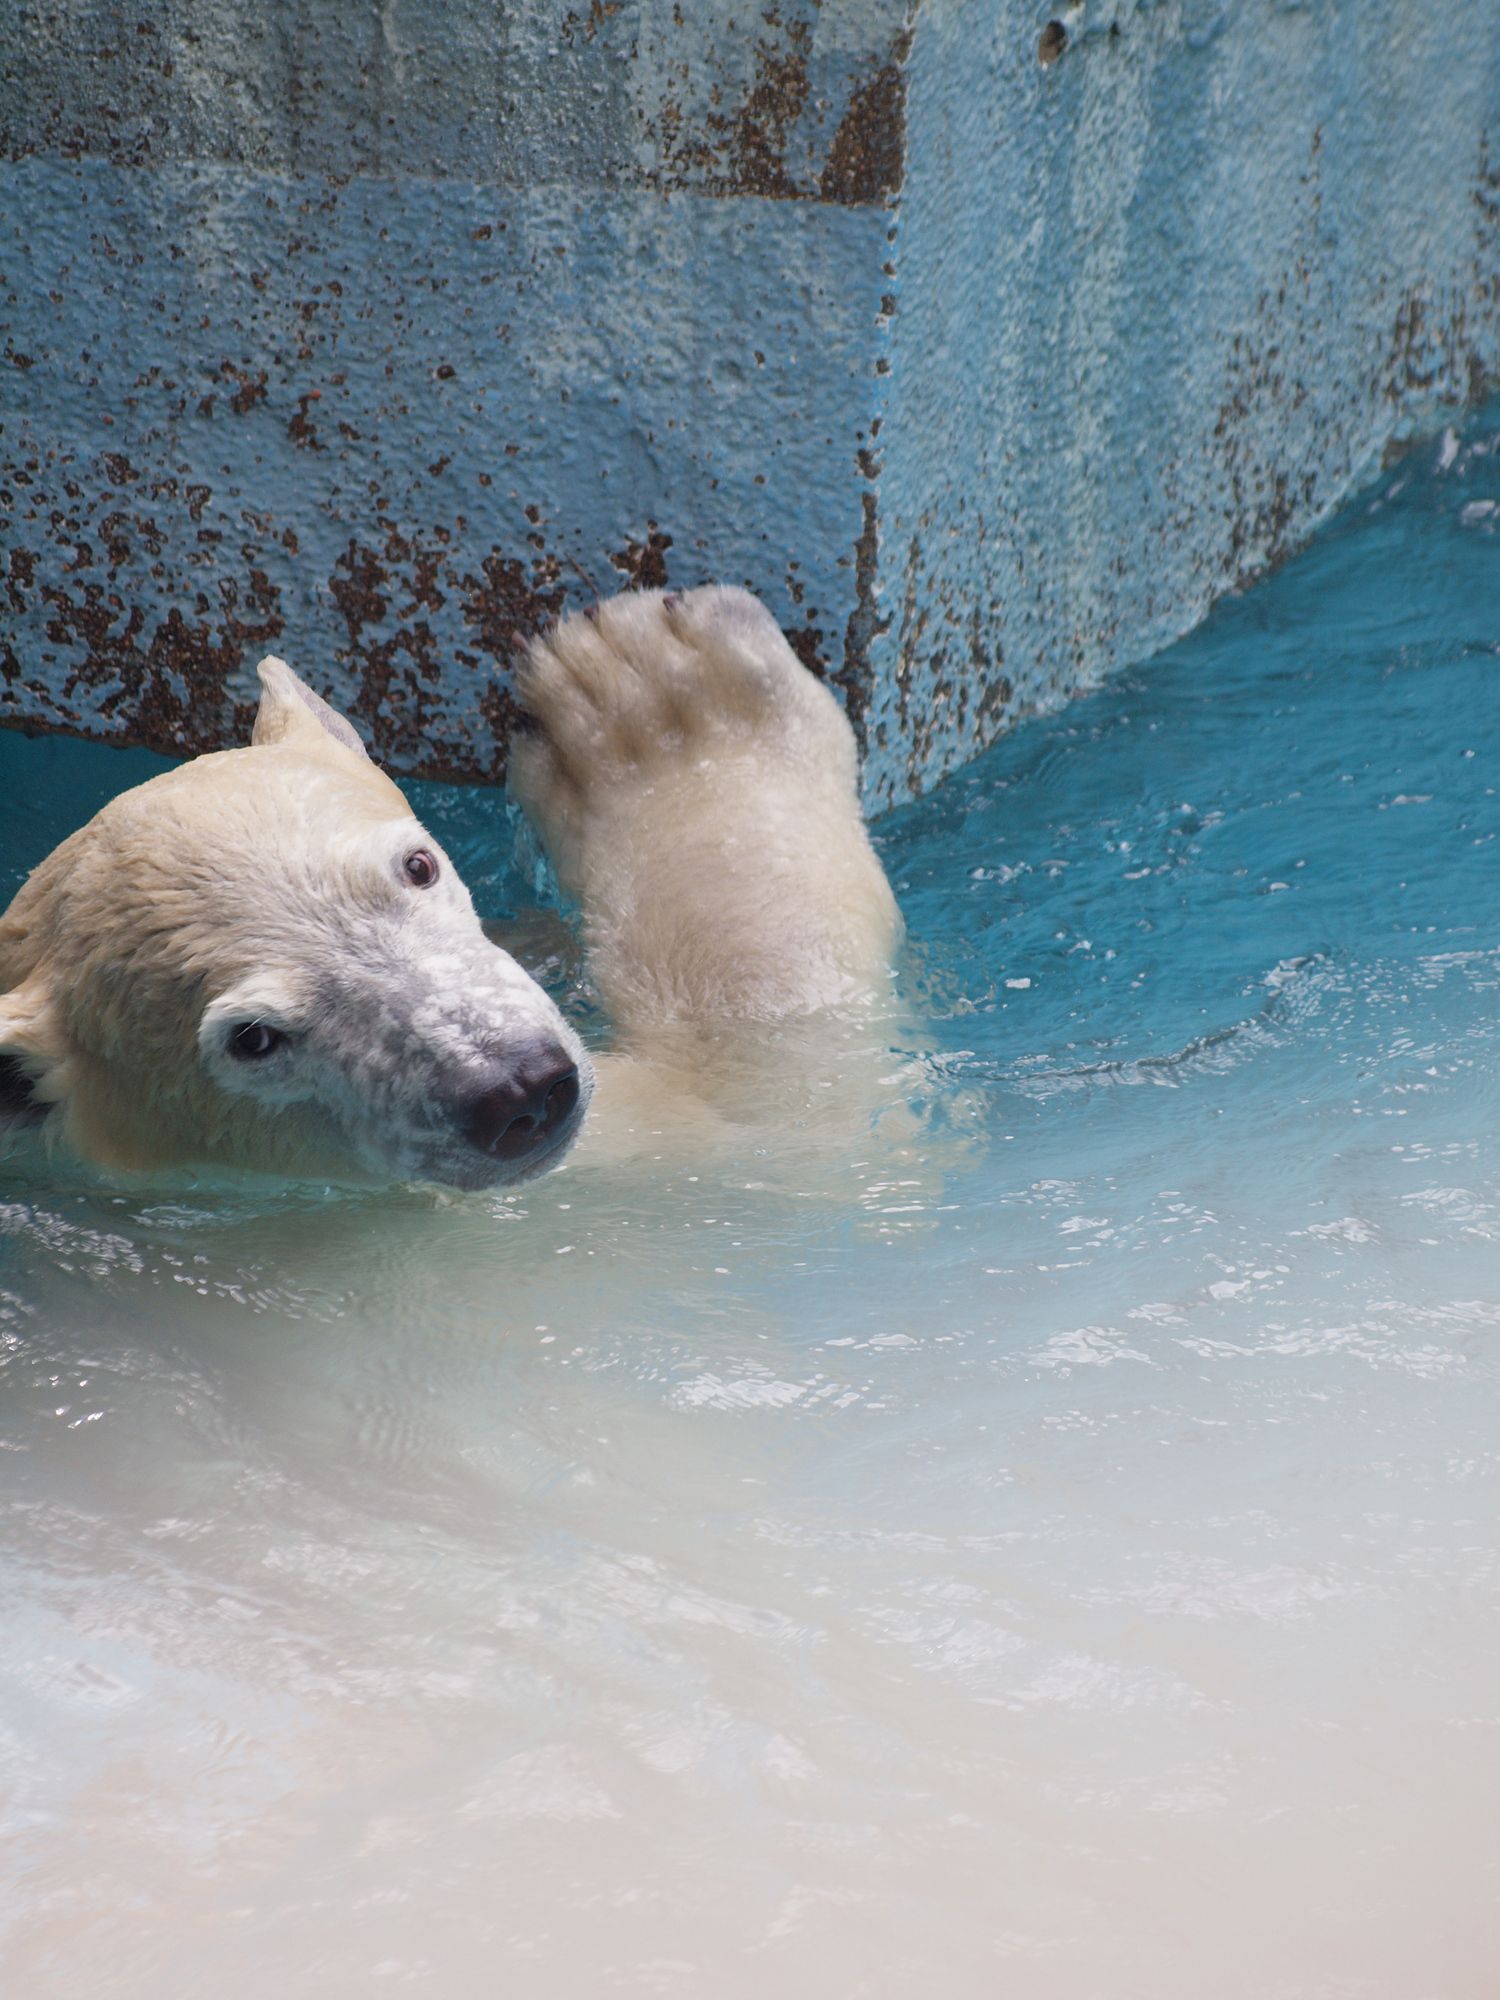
(393,599)
(865,622)
(643,564)
(868,155)
(784,138)
(751,145)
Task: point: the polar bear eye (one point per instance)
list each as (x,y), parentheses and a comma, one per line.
(253,1040)
(421,868)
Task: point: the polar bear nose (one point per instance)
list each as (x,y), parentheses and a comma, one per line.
(537,1094)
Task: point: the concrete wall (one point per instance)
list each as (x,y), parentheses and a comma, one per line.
(990,345)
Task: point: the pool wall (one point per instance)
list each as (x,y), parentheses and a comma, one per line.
(989,345)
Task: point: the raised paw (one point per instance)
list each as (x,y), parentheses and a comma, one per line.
(652,680)
(697,791)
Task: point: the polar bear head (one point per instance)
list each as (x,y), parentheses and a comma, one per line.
(262,960)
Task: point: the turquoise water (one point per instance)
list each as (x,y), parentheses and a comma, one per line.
(1058,1560)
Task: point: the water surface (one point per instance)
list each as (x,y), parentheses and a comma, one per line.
(1060,1562)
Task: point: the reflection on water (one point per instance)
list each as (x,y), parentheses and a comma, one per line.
(1064,1567)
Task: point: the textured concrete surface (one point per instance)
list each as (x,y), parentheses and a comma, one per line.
(989,345)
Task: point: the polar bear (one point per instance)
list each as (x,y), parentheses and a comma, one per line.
(261,960)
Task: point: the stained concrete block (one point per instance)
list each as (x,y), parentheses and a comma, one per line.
(989,345)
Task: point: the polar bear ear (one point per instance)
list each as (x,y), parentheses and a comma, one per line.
(289,710)
(32,1055)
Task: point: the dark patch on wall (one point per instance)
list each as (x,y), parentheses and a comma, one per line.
(511,602)
(393,600)
(865,623)
(868,156)
(842,142)
(752,143)
(644,564)
(806,641)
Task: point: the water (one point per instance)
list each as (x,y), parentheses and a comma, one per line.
(1059,1562)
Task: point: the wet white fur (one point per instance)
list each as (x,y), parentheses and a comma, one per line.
(262,884)
(696,789)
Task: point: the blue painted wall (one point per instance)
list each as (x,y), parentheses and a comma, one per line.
(375,335)
(1161,303)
